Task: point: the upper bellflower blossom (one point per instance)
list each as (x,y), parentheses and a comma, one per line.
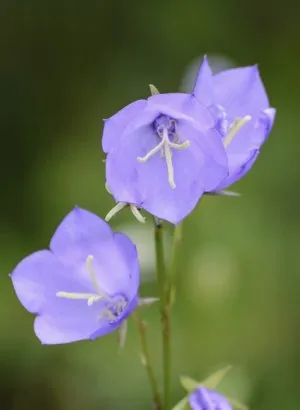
(206,399)
(85,286)
(163,153)
(238,100)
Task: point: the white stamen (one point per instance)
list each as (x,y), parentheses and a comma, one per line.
(89,266)
(94,299)
(168,156)
(136,213)
(115,210)
(237,124)
(77,296)
(152,152)
(184,145)
(164,147)
(90,297)
(112,308)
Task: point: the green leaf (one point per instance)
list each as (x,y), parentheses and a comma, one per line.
(189,384)
(183,404)
(213,380)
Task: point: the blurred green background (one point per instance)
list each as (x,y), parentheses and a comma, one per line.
(66,65)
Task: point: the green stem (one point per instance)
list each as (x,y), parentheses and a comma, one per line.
(164,314)
(166,287)
(173,264)
(142,328)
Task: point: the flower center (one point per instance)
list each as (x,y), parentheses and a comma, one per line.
(166,129)
(114,308)
(114,304)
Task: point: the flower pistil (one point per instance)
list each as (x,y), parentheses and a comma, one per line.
(165,127)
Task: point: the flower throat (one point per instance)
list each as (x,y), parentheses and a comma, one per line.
(166,129)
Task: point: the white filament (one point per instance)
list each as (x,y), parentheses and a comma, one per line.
(164,147)
(91,298)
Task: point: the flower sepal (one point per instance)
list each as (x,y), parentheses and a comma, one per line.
(122,335)
(143,302)
(206,388)
(183,404)
(223,193)
(211,382)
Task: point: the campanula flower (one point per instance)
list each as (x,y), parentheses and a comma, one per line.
(206,399)
(85,286)
(163,153)
(238,100)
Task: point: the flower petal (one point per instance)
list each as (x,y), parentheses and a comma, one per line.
(244,148)
(82,234)
(202,165)
(203,89)
(271,114)
(182,106)
(195,169)
(36,281)
(130,255)
(69,321)
(38,277)
(239,166)
(115,125)
(240,91)
(115,270)
(202,399)
(208,151)
(113,275)
(77,236)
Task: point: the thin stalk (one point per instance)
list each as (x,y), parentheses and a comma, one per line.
(177,237)
(164,314)
(142,328)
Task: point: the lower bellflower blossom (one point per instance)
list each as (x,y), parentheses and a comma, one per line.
(206,399)
(163,153)
(85,286)
(238,100)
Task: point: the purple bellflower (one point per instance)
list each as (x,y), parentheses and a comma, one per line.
(163,153)
(206,399)
(85,286)
(239,101)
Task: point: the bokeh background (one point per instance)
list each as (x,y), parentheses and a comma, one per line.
(66,65)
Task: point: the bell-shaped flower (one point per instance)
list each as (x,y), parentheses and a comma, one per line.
(206,399)
(163,153)
(85,286)
(238,100)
